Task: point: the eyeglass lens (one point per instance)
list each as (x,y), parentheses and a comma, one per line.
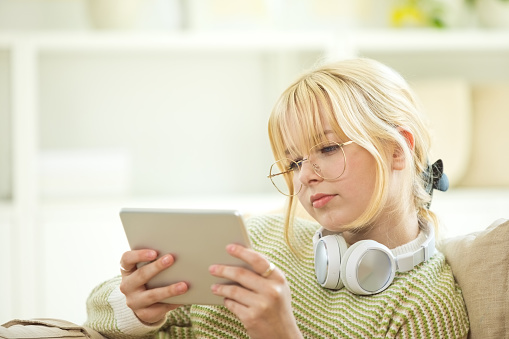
(327,160)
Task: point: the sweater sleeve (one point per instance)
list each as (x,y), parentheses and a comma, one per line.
(109,315)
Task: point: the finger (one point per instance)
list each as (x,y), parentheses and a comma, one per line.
(240,275)
(150,270)
(140,277)
(235,307)
(130,259)
(236,293)
(269,270)
(147,298)
(257,261)
(247,279)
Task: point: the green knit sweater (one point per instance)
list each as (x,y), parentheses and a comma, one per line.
(422,303)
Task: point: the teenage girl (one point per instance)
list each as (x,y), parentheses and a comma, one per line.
(351,149)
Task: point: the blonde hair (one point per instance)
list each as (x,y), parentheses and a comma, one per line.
(364,101)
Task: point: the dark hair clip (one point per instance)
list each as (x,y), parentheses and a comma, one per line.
(435,178)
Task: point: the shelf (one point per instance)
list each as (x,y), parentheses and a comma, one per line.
(383,40)
(431,40)
(112,41)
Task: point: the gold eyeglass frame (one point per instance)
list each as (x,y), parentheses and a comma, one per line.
(314,166)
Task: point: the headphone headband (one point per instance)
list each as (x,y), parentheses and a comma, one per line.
(406,262)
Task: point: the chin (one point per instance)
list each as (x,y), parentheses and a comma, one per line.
(330,222)
(334,221)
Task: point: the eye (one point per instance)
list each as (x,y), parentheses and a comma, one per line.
(295,165)
(330,149)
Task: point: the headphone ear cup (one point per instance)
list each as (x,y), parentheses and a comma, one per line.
(329,251)
(368,267)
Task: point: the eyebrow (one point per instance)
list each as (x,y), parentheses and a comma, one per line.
(326,132)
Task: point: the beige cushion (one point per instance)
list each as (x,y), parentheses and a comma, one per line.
(480,264)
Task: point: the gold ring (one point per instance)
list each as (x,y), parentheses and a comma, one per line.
(124,270)
(269,270)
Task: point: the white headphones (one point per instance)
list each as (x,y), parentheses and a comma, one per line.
(367,267)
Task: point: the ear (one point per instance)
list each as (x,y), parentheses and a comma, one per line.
(398,156)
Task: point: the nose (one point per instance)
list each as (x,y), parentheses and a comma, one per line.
(308,173)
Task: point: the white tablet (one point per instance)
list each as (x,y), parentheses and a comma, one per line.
(196,238)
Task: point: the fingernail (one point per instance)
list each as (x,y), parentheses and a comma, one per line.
(181,288)
(214,288)
(166,260)
(213,269)
(151,255)
(230,248)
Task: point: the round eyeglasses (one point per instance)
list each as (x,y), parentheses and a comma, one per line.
(327,159)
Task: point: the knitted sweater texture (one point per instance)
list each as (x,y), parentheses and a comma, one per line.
(422,303)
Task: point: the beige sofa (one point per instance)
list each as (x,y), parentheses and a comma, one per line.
(480,262)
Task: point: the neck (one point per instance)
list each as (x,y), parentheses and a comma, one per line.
(391,232)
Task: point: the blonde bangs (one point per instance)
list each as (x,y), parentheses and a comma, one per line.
(300,112)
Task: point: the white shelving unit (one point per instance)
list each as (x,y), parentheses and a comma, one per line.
(477,56)
(27,218)
(41,241)
(436,41)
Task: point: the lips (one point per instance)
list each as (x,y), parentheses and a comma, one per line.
(320,200)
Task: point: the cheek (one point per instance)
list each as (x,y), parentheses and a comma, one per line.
(361,178)
(296,181)
(297,185)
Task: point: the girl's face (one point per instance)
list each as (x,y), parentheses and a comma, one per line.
(334,203)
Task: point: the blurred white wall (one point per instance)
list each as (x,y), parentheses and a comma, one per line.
(179,141)
(5,127)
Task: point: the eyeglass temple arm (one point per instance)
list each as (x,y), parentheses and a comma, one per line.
(275,175)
